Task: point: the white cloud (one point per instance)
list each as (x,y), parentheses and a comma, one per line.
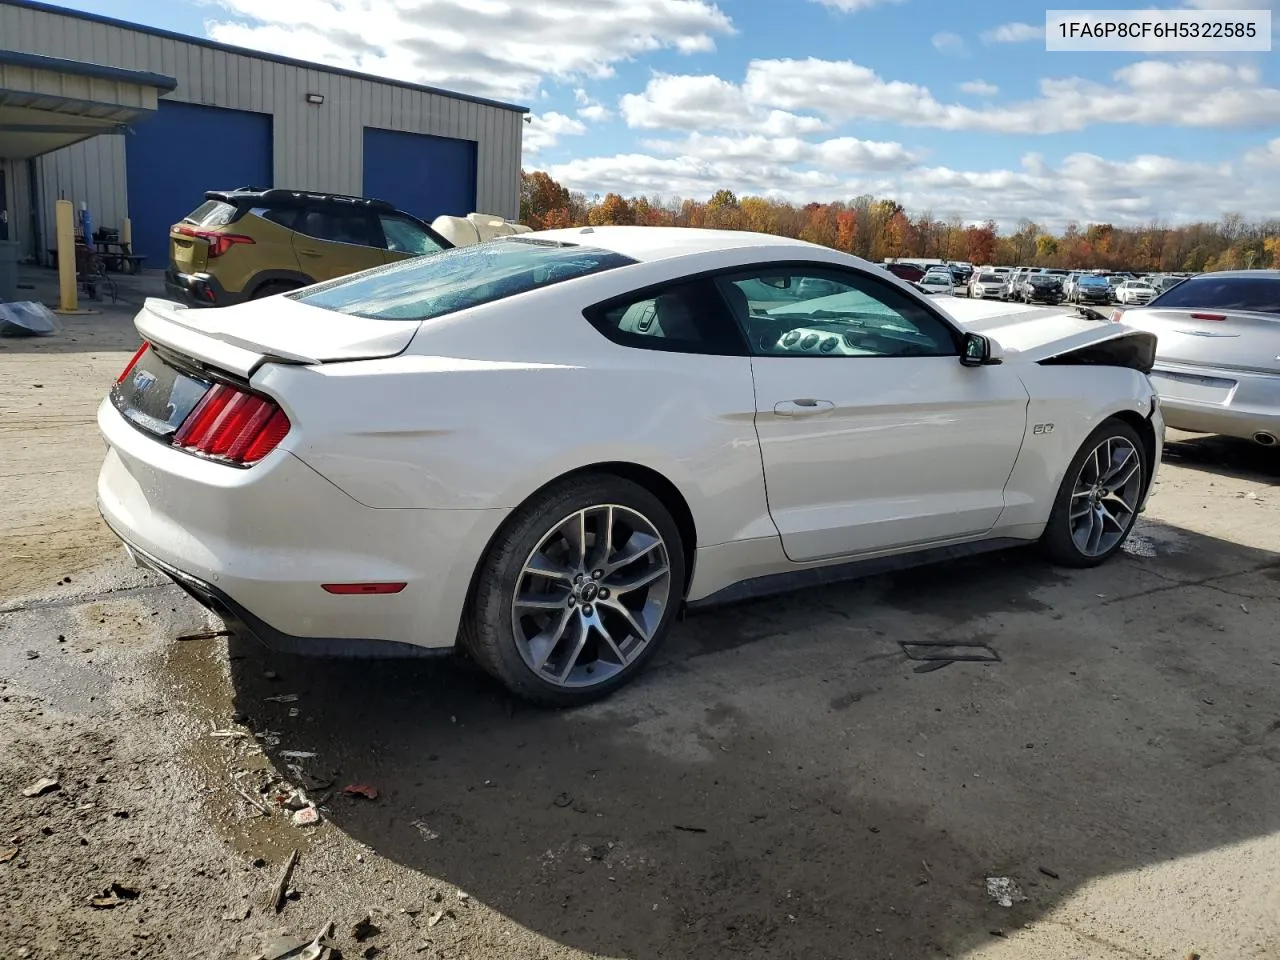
(1195,93)
(841,155)
(1267,155)
(951,44)
(1082,186)
(595,113)
(1013,33)
(494,48)
(544,130)
(708,103)
(850,6)
(979,88)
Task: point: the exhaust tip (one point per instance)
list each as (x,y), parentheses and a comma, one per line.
(1262,438)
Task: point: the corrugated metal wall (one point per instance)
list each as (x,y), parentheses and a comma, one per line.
(316,147)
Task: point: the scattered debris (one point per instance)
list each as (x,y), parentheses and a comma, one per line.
(423,828)
(937,654)
(1048,873)
(1136,545)
(464,896)
(33,654)
(262,808)
(435,918)
(275,897)
(282,698)
(113,896)
(298,754)
(296,800)
(1244,608)
(1207,701)
(236,916)
(293,948)
(563,800)
(8,855)
(41,787)
(270,675)
(205,635)
(228,734)
(364,928)
(996,932)
(306,817)
(1004,891)
(294,711)
(361,790)
(689,829)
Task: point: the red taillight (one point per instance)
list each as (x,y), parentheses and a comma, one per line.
(349,589)
(1209,316)
(133,361)
(233,425)
(219,243)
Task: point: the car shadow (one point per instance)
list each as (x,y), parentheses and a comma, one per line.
(782,782)
(1224,455)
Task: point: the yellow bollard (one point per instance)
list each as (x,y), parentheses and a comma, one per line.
(64,219)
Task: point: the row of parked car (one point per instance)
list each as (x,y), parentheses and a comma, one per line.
(1043,284)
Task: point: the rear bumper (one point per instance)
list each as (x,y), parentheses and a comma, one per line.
(256,545)
(1250,407)
(199,290)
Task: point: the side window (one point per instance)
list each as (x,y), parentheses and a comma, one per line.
(285,216)
(821,312)
(340,226)
(405,236)
(685,317)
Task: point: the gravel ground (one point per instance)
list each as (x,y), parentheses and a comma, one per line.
(781,783)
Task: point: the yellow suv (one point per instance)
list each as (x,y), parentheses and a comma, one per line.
(244,244)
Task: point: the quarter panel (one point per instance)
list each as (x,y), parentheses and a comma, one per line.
(451,433)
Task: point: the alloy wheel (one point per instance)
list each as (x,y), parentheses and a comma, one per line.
(1104,499)
(591,595)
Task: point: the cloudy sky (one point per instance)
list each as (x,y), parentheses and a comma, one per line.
(952,108)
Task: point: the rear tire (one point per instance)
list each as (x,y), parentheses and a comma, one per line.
(1097,504)
(273,287)
(577,592)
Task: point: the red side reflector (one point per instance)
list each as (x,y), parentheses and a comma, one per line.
(133,361)
(348,589)
(1208,316)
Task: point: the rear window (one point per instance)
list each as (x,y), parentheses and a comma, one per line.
(427,287)
(211,213)
(1259,294)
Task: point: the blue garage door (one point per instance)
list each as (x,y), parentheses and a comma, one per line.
(181,151)
(422,175)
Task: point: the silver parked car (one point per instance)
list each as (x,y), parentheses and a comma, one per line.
(1218,353)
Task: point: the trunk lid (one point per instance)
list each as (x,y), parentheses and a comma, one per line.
(188,254)
(240,339)
(1212,337)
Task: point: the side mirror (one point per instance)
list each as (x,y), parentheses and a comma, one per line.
(979,351)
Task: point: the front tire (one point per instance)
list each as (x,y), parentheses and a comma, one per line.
(577,592)
(1097,503)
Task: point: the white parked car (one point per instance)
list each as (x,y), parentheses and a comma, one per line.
(542,447)
(938,282)
(1135,293)
(987,284)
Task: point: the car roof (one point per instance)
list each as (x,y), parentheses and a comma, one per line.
(1239,274)
(661,243)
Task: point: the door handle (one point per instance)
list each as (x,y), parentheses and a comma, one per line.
(309,253)
(804,407)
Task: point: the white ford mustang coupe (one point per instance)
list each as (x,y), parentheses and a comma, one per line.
(541,447)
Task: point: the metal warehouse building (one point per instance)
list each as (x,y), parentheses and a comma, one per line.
(138,123)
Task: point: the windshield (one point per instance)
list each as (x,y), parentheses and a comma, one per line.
(427,287)
(989,278)
(1093,282)
(1257,294)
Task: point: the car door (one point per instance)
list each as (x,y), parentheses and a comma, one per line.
(334,241)
(873,435)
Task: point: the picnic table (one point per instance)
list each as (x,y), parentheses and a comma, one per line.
(119,257)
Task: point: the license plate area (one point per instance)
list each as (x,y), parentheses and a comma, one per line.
(1194,387)
(156,396)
